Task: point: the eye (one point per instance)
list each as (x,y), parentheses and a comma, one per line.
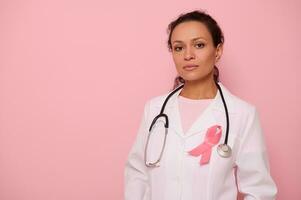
(200,45)
(178,48)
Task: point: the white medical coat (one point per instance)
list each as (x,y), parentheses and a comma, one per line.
(180,175)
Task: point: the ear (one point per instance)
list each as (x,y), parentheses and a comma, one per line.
(219,52)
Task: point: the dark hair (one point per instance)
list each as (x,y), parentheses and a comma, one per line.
(214,29)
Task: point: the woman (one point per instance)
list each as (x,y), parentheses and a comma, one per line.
(198,161)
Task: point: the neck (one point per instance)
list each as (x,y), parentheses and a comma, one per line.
(200,89)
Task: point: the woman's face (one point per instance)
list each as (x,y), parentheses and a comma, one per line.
(193,51)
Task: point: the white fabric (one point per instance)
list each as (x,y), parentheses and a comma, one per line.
(180,176)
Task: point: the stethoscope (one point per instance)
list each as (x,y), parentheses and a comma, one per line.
(224,150)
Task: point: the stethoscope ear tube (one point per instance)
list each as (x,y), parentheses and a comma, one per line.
(224,150)
(166,124)
(157,162)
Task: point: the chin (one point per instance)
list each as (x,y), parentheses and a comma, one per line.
(193,78)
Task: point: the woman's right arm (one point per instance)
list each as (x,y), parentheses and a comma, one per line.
(136,178)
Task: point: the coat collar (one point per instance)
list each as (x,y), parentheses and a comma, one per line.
(210,116)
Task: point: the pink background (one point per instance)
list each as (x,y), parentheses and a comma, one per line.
(76,74)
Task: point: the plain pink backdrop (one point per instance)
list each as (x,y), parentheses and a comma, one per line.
(74,76)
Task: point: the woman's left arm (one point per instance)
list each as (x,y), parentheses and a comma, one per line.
(253,173)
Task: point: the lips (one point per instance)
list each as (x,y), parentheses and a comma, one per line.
(190,67)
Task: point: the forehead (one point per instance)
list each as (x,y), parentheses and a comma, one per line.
(189,30)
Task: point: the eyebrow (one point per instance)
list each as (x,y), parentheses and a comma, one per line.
(193,39)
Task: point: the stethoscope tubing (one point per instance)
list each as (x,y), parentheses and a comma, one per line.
(223,149)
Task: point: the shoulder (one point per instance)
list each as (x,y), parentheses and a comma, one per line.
(154,103)
(237,104)
(157,100)
(246,114)
(242,105)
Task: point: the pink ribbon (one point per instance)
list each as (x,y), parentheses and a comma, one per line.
(213,136)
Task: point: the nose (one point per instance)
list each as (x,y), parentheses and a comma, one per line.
(189,54)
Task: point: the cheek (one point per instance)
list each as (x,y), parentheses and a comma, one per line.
(206,57)
(177,59)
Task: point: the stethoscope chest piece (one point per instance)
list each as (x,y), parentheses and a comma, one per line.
(224,150)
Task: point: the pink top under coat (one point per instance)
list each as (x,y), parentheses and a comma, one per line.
(190,110)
